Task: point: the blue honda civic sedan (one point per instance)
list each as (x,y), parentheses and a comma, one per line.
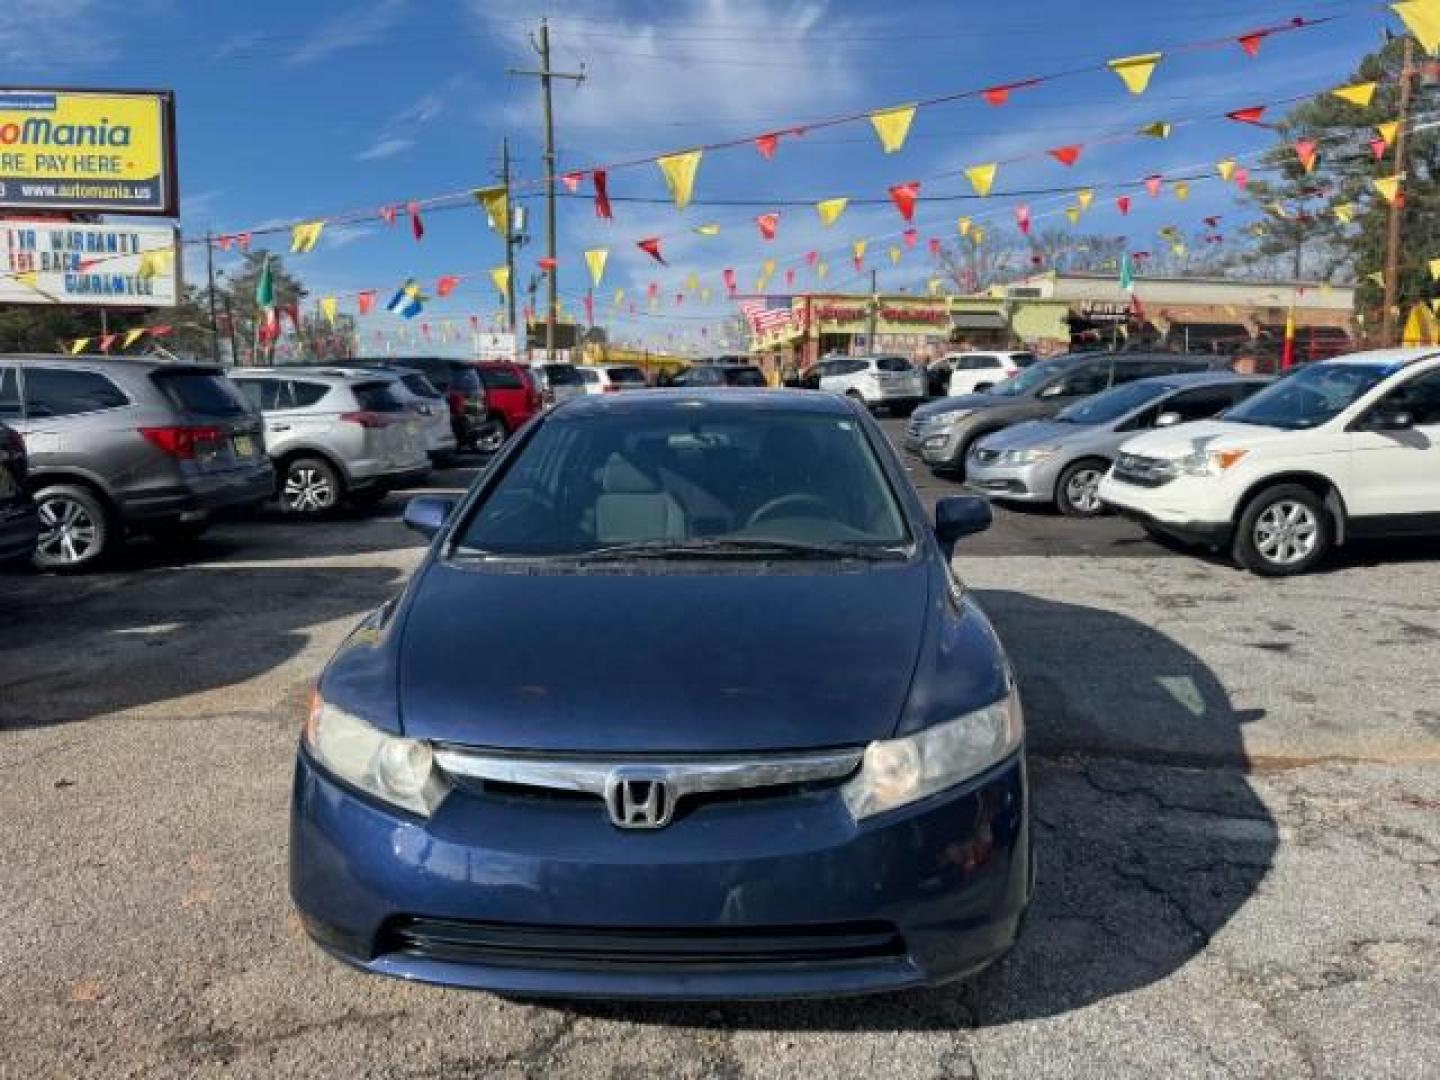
(683,702)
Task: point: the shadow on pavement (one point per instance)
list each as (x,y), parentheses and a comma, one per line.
(74,647)
(1148,834)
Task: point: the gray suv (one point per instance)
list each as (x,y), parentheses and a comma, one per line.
(942,432)
(116,444)
(335,434)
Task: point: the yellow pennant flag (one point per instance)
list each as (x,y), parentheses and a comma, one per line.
(595,260)
(1435,305)
(964,226)
(1388,187)
(708,230)
(895,254)
(933,286)
(496,203)
(857,249)
(1435,269)
(1158,130)
(30,279)
(1356,94)
(760,284)
(79,345)
(679,170)
(830,209)
(132,336)
(1085,198)
(768,268)
(1377,277)
(501,277)
(1135,71)
(982,177)
(821,269)
(705,295)
(1226,168)
(1419,327)
(1388,131)
(305,236)
(152,263)
(1421,18)
(619,296)
(1073,213)
(692,281)
(1182,190)
(892,125)
(329,306)
(1344,213)
(977,235)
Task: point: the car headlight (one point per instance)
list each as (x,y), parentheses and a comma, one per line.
(945,419)
(1209,462)
(1030,455)
(395,770)
(897,772)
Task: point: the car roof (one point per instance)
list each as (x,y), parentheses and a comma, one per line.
(1408,354)
(668,400)
(345,374)
(1183,379)
(133,363)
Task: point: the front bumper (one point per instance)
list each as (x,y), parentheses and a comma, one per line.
(914,897)
(1195,510)
(1020,483)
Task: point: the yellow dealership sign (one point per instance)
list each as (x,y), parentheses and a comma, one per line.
(92,150)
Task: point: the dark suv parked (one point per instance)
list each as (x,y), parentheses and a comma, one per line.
(942,432)
(457,380)
(19,523)
(116,444)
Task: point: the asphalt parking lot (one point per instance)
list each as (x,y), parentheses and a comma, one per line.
(1237,789)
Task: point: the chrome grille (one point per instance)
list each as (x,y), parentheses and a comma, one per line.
(1143,471)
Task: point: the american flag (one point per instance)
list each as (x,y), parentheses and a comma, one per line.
(765,313)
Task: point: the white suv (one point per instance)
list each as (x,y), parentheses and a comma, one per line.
(1345,448)
(890,382)
(972,372)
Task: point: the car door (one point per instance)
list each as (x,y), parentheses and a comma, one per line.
(1396,474)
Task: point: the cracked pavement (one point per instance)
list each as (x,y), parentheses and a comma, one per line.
(1237,799)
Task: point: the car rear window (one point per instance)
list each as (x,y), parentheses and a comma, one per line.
(378,397)
(892,363)
(630,376)
(745,376)
(500,379)
(420,386)
(204,393)
(561,375)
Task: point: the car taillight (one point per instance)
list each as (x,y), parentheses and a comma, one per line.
(181,442)
(367,419)
(610,388)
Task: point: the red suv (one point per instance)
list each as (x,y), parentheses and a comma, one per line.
(512,397)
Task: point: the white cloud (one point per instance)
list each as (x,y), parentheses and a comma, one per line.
(238,44)
(359,26)
(384,148)
(33,35)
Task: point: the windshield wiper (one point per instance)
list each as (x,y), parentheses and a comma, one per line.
(740,548)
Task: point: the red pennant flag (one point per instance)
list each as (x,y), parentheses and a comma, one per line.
(1152,185)
(652,290)
(590,307)
(1241,177)
(546,263)
(1251,42)
(811,258)
(1066,155)
(160,331)
(768,223)
(366,301)
(904,196)
(425,330)
(1123,204)
(571,180)
(602,194)
(651,246)
(789,278)
(446,285)
(417,227)
(1305,150)
(766,144)
(1378,147)
(632,307)
(934,245)
(1022,219)
(996,95)
(679,298)
(243,241)
(1251,115)
(388,213)
(911,237)
(224,242)
(475,323)
(1140,256)
(106,341)
(1037,260)
(529,313)
(728,274)
(1212,222)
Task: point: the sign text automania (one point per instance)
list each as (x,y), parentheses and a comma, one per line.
(38,131)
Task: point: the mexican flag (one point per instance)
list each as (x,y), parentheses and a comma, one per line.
(1127,283)
(265,301)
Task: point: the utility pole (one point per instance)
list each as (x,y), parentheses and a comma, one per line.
(874,313)
(210,273)
(1392,231)
(509,233)
(546,75)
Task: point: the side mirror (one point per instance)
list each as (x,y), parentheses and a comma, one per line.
(1167,419)
(426,514)
(1391,420)
(958,517)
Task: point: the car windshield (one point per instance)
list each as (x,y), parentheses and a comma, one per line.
(744,376)
(1027,379)
(1112,404)
(561,375)
(630,376)
(695,480)
(1310,397)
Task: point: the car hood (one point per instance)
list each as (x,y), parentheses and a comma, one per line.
(1034,433)
(934,409)
(662,661)
(1183,439)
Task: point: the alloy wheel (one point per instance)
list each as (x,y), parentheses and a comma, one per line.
(1286,532)
(68,533)
(308,490)
(1082,490)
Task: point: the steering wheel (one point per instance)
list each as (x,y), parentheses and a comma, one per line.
(795,499)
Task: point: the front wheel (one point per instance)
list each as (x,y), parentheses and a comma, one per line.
(491,436)
(1284,530)
(309,486)
(1077,492)
(75,528)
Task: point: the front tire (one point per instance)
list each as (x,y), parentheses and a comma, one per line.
(1284,530)
(75,528)
(1077,490)
(310,486)
(491,436)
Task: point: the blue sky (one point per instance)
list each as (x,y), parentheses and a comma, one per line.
(289,111)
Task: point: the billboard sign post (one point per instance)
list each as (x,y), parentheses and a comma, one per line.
(91,151)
